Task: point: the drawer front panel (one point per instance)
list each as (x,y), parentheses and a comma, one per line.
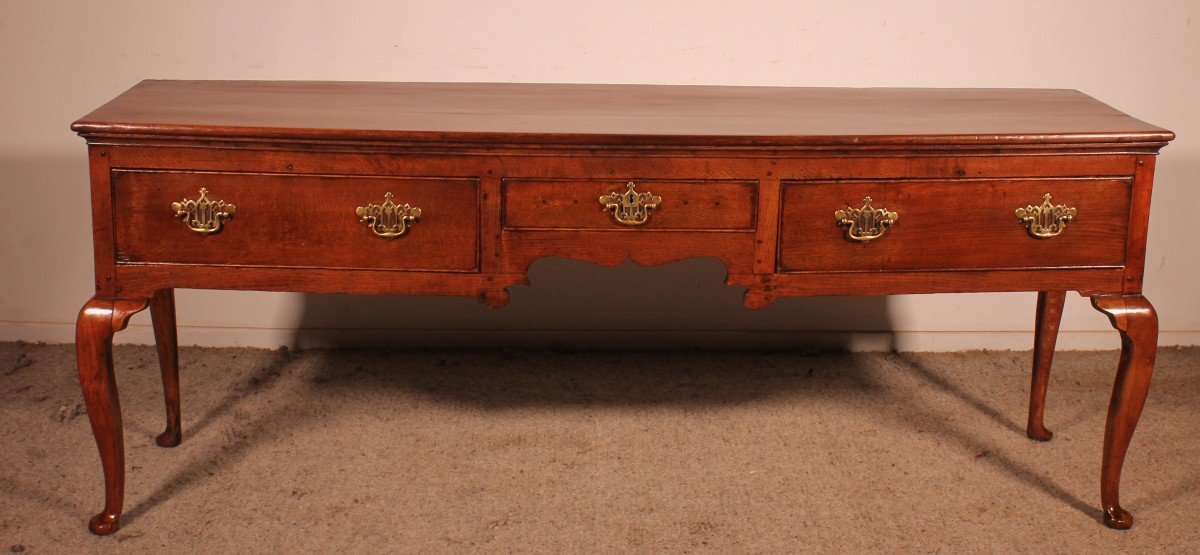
(575,204)
(962,224)
(296,221)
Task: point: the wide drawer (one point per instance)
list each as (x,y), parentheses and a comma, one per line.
(296,221)
(680,205)
(959,224)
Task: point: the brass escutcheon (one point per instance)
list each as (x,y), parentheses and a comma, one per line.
(1047,220)
(388,220)
(866,223)
(630,207)
(202,215)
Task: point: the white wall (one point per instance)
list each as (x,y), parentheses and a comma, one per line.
(59,60)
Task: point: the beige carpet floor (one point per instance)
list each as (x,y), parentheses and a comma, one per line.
(369,451)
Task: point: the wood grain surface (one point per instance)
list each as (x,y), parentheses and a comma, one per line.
(948,225)
(297,221)
(567,204)
(604,114)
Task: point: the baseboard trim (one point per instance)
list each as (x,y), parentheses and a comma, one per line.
(861,341)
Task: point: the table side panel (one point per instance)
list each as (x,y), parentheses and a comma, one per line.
(1139,224)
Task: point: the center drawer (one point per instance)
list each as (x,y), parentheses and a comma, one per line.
(297,220)
(678,205)
(953,224)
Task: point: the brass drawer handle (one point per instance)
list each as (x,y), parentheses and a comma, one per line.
(388,220)
(866,223)
(1047,220)
(204,216)
(630,207)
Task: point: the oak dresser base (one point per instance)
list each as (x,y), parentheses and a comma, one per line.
(455,189)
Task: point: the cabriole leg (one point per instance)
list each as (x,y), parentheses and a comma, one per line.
(1049,314)
(98,321)
(1135,319)
(162,314)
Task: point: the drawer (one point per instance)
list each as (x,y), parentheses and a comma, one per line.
(959,224)
(296,221)
(681,205)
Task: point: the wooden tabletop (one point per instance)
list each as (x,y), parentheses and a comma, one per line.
(614,114)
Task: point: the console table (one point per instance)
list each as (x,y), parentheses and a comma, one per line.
(454,189)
